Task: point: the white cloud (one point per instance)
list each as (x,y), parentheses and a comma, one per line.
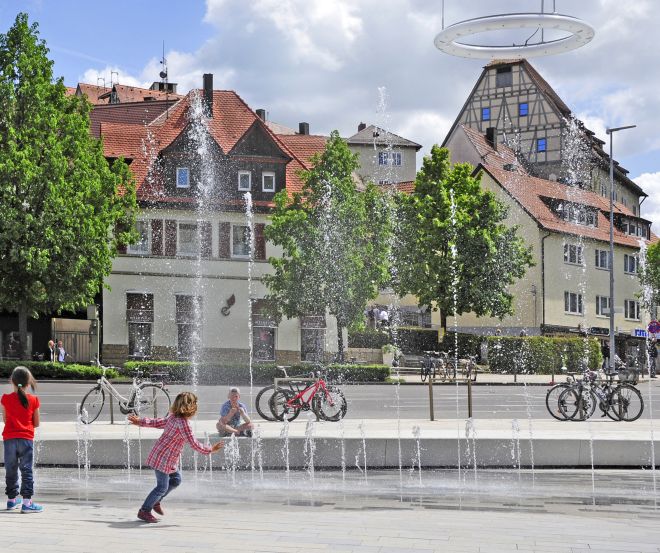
(650,182)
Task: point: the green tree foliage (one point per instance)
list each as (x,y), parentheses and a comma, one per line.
(467,249)
(334,241)
(650,276)
(60,198)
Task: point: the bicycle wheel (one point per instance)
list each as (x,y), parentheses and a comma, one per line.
(151,400)
(577,404)
(331,406)
(262,402)
(627,403)
(423,373)
(552,401)
(280,407)
(91,405)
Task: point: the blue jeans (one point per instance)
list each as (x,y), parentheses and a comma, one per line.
(18,456)
(165,483)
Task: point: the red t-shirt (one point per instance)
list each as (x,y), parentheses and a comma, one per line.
(18,423)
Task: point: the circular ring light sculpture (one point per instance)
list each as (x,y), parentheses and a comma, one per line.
(580,34)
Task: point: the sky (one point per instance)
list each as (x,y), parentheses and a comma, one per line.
(336,63)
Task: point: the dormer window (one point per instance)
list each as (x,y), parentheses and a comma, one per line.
(244,180)
(268,181)
(582,215)
(182,177)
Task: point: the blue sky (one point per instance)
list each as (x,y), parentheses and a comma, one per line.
(335,63)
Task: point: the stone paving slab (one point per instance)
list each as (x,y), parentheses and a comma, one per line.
(551,511)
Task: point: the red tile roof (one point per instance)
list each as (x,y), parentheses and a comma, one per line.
(127,93)
(500,157)
(136,113)
(530,192)
(92,92)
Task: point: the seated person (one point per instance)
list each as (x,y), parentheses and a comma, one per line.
(231,413)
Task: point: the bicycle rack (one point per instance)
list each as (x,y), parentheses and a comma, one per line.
(467,381)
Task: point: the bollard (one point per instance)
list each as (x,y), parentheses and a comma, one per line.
(112,411)
(431,398)
(469,385)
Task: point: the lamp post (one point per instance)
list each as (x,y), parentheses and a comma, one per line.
(612,341)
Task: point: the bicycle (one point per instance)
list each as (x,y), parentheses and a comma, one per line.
(144,397)
(330,404)
(262,401)
(429,365)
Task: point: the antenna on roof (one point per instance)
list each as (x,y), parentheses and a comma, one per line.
(163,77)
(100,79)
(112,81)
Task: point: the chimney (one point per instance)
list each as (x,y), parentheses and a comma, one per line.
(261,114)
(303,128)
(491,137)
(208,93)
(362,126)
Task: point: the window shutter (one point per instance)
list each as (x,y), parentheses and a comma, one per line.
(224,247)
(205,235)
(170,238)
(156,237)
(259,241)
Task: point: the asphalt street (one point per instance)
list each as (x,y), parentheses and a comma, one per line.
(59,400)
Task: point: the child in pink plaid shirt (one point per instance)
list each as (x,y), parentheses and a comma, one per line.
(164,456)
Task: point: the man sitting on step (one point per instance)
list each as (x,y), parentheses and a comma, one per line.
(231,413)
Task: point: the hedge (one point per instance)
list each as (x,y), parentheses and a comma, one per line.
(409,340)
(468,344)
(262,373)
(542,355)
(47,370)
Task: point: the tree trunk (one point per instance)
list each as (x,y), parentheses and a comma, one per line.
(340,343)
(22,330)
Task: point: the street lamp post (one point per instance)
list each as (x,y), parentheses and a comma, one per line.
(612,341)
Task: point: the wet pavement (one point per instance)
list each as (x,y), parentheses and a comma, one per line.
(373,511)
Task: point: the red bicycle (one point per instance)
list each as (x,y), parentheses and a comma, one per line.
(327,402)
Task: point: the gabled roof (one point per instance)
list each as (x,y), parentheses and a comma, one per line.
(92,92)
(372,134)
(99,95)
(500,157)
(134,113)
(304,146)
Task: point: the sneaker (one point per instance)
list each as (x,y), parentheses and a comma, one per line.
(146,516)
(31,507)
(159,509)
(14,503)
(245,434)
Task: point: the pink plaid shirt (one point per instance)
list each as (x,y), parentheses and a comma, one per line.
(164,455)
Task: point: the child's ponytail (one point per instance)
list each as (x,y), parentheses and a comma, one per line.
(21,377)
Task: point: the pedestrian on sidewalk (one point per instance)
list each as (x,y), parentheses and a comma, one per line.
(20,413)
(164,456)
(653,357)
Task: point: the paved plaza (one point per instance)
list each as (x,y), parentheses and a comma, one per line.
(378,512)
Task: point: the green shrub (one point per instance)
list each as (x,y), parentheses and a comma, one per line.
(542,355)
(262,373)
(468,344)
(370,339)
(408,340)
(46,370)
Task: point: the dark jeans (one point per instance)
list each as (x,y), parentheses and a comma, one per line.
(165,483)
(18,456)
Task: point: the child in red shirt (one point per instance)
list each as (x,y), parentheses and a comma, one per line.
(20,413)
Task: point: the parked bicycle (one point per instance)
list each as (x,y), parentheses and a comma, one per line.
(327,402)
(145,398)
(262,401)
(429,365)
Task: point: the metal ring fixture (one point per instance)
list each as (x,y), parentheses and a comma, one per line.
(580,34)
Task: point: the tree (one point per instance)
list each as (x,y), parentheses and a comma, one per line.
(334,240)
(452,240)
(650,276)
(60,198)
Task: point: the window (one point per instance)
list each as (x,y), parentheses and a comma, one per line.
(631,309)
(602,259)
(188,238)
(541,145)
(573,303)
(396,159)
(312,338)
(182,177)
(504,77)
(485,114)
(140,317)
(573,254)
(523,109)
(630,264)
(263,331)
(141,247)
(240,241)
(383,158)
(578,214)
(244,180)
(383,181)
(268,181)
(189,327)
(602,306)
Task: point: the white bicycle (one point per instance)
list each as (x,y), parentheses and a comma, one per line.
(145,398)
